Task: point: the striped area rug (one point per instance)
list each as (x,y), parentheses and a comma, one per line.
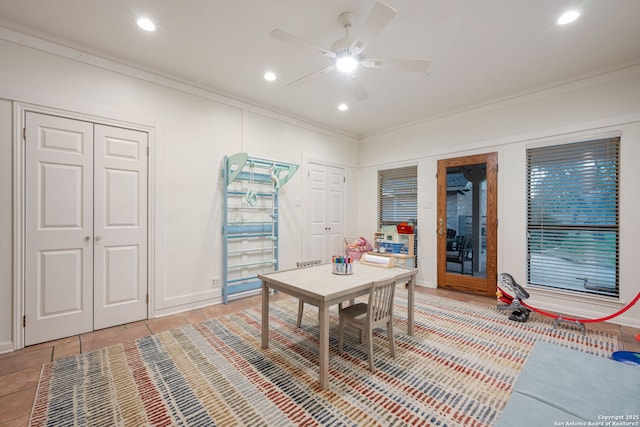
(458,369)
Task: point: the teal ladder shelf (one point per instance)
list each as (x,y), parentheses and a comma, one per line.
(250,220)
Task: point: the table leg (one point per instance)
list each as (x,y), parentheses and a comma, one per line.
(265,315)
(323,320)
(410,307)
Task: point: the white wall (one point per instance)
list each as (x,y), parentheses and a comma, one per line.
(192,131)
(269,138)
(592,107)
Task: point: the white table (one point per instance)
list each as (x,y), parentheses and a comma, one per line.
(317,285)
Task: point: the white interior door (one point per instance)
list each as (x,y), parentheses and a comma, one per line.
(59,224)
(86,227)
(317,211)
(120,226)
(335,211)
(326,211)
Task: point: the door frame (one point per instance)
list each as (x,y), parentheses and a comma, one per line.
(454,280)
(19,232)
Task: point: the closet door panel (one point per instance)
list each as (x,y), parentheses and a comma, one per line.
(59,227)
(335,210)
(120,226)
(318,222)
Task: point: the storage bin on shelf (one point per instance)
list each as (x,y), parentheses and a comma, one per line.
(394,248)
(404,228)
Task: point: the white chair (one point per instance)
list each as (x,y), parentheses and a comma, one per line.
(369,316)
(303,264)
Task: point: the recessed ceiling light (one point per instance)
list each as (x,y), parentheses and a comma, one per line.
(568,17)
(270,76)
(146,24)
(343,107)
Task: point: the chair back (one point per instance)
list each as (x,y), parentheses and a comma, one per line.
(466,248)
(461,251)
(381,300)
(309,263)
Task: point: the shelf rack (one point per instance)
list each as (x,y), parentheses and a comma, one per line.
(250,220)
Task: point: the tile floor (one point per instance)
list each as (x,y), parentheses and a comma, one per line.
(20,370)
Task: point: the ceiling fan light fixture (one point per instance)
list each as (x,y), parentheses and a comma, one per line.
(270,76)
(343,107)
(346,64)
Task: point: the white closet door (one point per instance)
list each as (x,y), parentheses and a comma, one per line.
(326,211)
(317,211)
(86,227)
(335,210)
(120,227)
(59,224)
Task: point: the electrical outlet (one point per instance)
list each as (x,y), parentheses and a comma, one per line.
(215,283)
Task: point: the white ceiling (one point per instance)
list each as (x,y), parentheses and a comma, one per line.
(481,51)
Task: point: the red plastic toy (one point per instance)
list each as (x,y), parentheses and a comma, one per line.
(516,302)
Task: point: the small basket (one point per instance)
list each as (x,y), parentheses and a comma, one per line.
(356,248)
(342,265)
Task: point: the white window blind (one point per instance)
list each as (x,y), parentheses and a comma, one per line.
(572,216)
(398,195)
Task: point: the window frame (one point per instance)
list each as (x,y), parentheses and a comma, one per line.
(407,178)
(573,223)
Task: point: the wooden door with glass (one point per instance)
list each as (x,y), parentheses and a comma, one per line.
(467,223)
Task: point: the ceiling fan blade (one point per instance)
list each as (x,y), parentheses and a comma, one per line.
(359,91)
(380,16)
(290,38)
(311,75)
(414,65)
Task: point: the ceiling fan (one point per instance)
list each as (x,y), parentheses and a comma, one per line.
(349,52)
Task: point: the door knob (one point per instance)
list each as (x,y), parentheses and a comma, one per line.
(87,238)
(98,238)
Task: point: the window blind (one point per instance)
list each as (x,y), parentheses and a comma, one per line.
(573,215)
(398,195)
(398,199)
